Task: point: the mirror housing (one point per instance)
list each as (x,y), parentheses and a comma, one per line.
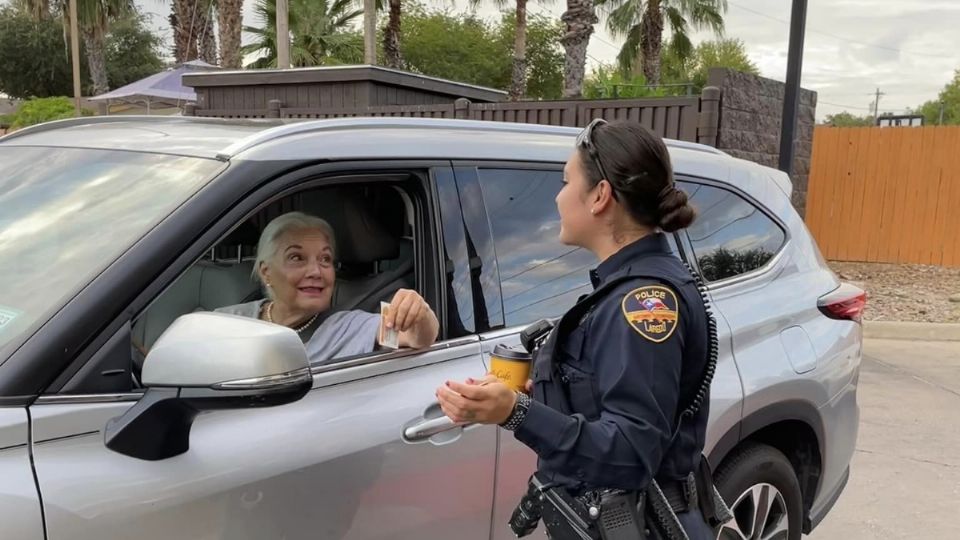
(208,361)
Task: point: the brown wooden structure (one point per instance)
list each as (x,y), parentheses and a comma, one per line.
(337,92)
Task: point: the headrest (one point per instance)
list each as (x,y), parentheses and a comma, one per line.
(361,237)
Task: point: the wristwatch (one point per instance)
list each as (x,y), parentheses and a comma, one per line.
(520,409)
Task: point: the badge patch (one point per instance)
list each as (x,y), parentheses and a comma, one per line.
(652,312)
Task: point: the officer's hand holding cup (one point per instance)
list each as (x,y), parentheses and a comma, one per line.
(485,401)
(490,400)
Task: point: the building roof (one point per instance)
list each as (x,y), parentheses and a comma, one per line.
(339,74)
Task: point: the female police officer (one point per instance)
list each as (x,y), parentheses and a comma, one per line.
(620,388)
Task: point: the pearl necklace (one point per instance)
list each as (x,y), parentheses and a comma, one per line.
(300,330)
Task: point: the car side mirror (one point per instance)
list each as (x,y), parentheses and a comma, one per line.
(208,361)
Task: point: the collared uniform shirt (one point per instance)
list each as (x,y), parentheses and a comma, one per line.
(604,414)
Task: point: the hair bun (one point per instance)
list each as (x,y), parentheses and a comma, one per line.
(674,209)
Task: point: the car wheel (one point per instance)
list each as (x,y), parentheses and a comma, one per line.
(761,488)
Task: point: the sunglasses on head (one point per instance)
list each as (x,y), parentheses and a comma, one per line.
(585,141)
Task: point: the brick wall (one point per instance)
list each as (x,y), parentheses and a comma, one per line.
(750,111)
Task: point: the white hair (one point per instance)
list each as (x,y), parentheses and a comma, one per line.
(280,225)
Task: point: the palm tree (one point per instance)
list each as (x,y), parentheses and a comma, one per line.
(391,36)
(641,22)
(207,39)
(518,78)
(579,19)
(93,21)
(230,21)
(320,29)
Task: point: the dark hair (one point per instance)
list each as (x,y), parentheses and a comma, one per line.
(638,167)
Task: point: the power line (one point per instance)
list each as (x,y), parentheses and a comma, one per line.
(869,109)
(841,38)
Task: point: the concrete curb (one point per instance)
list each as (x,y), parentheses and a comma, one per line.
(911,331)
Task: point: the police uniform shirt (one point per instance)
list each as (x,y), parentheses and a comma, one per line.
(638,355)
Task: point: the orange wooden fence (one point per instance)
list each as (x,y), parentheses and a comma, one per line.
(886,194)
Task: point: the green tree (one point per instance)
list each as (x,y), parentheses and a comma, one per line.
(607,82)
(725,53)
(93,20)
(34,61)
(39,110)
(949,98)
(845,119)
(641,23)
(464,47)
(321,30)
(133,51)
(457,47)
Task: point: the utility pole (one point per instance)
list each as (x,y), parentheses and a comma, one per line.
(370,32)
(283,34)
(940,123)
(876,107)
(791,97)
(75,54)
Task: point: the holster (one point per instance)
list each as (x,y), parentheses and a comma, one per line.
(609,514)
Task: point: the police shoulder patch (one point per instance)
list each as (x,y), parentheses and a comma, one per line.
(652,311)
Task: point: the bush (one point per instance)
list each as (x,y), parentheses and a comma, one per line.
(39,110)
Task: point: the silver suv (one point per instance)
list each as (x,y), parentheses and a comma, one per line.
(127,410)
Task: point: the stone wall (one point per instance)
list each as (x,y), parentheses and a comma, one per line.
(750,111)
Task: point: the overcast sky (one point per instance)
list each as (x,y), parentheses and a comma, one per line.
(909,49)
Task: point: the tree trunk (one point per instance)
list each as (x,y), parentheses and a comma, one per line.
(96,60)
(518,81)
(183,20)
(391,37)
(579,19)
(230,19)
(651,41)
(207,39)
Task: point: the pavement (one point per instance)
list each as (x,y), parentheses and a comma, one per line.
(905,475)
(911,331)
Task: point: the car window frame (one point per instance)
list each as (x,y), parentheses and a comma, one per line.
(268,191)
(685,243)
(506,329)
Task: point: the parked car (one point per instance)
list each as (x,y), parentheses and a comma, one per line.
(119,232)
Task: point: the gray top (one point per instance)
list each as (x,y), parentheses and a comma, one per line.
(342,334)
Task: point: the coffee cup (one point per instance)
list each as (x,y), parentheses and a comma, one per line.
(511,366)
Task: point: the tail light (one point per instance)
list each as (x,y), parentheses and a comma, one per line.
(845,303)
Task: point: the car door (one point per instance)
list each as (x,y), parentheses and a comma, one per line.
(363,455)
(19,500)
(532,277)
(735,245)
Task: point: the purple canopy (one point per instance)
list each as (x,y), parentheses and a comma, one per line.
(164,88)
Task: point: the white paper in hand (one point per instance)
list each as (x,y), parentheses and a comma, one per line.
(388,337)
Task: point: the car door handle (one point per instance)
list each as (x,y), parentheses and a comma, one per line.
(428,428)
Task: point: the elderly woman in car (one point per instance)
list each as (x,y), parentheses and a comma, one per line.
(295,266)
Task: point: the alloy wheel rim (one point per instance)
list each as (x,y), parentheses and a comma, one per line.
(760,513)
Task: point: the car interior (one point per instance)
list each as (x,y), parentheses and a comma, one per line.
(375,247)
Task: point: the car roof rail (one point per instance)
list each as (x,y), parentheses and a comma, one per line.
(72,122)
(303,127)
(312,126)
(54,125)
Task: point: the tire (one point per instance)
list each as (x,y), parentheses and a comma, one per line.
(754,474)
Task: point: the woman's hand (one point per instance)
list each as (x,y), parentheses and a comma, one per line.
(483,402)
(412,317)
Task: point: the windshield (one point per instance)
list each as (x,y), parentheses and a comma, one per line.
(66,214)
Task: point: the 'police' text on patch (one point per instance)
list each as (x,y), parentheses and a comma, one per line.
(652,311)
